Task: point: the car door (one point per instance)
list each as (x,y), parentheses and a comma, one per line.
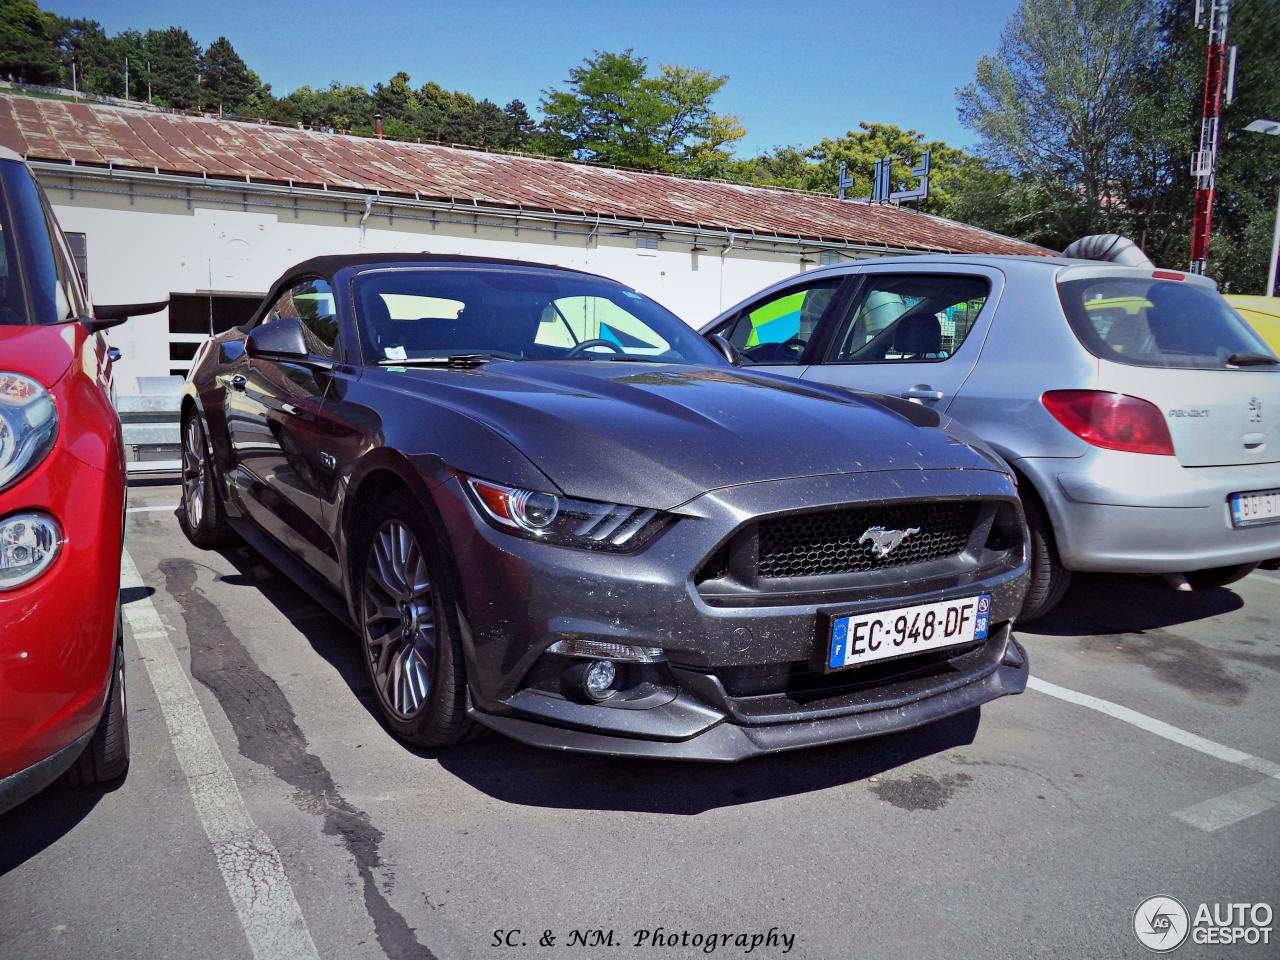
(774,331)
(912,333)
(274,416)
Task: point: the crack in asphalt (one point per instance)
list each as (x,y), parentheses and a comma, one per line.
(267,733)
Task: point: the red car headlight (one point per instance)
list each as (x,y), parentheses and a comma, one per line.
(28,425)
(29,542)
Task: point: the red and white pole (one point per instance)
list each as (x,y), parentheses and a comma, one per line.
(1204,161)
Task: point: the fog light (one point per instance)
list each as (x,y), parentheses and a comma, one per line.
(29,542)
(592,681)
(600,677)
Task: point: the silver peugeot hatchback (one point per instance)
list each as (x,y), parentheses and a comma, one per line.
(1139,412)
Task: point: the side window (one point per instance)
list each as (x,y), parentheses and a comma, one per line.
(310,301)
(910,318)
(778,329)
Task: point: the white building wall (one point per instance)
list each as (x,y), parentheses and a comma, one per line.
(153,246)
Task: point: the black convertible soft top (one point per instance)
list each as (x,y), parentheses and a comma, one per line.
(330,264)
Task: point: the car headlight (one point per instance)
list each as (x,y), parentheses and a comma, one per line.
(28,425)
(554,519)
(29,542)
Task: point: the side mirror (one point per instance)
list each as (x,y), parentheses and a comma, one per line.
(725,348)
(112,314)
(280,339)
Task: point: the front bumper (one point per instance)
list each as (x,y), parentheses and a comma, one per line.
(58,633)
(737,681)
(1133,513)
(724,741)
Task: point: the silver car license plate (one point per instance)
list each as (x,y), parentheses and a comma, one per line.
(866,638)
(1255,507)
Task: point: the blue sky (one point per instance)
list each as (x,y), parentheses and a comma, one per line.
(797,72)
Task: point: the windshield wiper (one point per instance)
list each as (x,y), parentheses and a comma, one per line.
(460,361)
(1251,360)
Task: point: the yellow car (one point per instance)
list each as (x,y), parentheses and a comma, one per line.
(1263,314)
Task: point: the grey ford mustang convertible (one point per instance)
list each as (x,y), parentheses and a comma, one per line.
(550,508)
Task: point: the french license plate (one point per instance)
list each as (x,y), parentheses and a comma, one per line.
(865,638)
(1258,506)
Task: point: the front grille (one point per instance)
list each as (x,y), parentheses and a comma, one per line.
(826,542)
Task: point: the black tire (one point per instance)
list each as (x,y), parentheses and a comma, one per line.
(106,758)
(394,656)
(1049,579)
(1219,576)
(1273,564)
(204,519)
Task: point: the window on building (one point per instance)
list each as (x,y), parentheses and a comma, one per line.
(195,316)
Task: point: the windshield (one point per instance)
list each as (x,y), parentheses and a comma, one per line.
(1157,323)
(408,314)
(35,286)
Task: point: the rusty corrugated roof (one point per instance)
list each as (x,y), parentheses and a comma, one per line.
(90,133)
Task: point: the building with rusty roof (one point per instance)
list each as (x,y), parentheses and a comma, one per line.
(209,211)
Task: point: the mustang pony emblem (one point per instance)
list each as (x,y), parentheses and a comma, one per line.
(884,542)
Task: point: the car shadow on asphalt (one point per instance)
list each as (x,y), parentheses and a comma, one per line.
(328,636)
(43,820)
(514,773)
(1098,604)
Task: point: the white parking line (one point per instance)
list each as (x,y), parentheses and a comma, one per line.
(155,509)
(250,864)
(1216,812)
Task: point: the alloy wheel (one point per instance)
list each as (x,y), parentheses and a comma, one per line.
(399,619)
(193,474)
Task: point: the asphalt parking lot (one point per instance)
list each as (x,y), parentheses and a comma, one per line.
(268,814)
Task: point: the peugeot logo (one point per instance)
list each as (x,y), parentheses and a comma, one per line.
(884,542)
(1255,410)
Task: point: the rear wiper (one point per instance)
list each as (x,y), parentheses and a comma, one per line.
(1251,360)
(460,360)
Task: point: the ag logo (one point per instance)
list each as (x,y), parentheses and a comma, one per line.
(1161,924)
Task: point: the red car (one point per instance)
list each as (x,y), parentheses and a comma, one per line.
(62,497)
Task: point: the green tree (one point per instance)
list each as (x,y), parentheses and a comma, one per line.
(175,69)
(28,43)
(130,46)
(519,128)
(1056,103)
(615,111)
(396,100)
(83,44)
(227,81)
(347,108)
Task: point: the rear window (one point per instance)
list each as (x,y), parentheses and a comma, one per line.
(1156,323)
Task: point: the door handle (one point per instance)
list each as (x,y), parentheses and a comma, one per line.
(921,391)
(238,382)
(114,354)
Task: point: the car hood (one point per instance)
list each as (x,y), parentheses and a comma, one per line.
(42,353)
(659,435)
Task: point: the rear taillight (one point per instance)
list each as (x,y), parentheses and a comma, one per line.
(1111,420)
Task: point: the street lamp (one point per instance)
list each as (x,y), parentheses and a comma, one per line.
(1272,127)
